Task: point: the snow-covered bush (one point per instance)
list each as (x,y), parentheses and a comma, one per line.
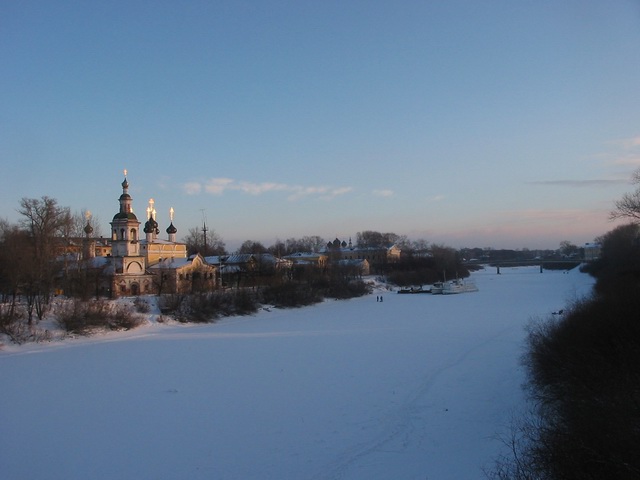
(170,303)
(206,307)
(244,303)
(12,324)
(290,295)
(84,317)
(142,305)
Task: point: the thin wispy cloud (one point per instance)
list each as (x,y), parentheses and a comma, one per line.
(626,161)
(335,192)
(260,188)
(221,185)
(626,154)
(528,226)
(192,188)
(628,143)
(383,193)
(536,215)
(579,183)
(217,186)
(299,192)
(437,198)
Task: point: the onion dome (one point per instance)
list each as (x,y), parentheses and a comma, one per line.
(88,229)
(171,229)
(151,226)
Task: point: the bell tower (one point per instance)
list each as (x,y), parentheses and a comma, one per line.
(125,226)
(125,240)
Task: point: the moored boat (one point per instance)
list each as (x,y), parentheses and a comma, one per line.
(437,288)
(458,286)
(413,290)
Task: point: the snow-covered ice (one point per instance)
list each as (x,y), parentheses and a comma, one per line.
(414,387)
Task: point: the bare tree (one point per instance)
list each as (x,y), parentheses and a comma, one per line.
(447,261)
(370,238)
(46,223)
(568,248)
(308,243)
(206,243)
(79,221)
(629,205)
(252,246)
(278,249)
(420,245)
(14,247)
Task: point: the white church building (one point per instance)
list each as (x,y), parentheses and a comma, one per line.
(145,264)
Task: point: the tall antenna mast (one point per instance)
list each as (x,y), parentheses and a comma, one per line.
(204,231)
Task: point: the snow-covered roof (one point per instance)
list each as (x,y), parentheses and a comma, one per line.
(98,262)
(355,262)
(230,269)
(327,250)
(241,258)
(172,263)
(303,255)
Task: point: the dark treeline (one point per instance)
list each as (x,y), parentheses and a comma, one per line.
(583,370)
(418,267)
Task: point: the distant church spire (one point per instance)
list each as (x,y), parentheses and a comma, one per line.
(88,244)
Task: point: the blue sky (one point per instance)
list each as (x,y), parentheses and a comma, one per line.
(508,124)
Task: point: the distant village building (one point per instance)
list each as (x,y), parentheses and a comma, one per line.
(236,267)
(591,251)
(184,275)
(300,259)
(358,267)
(375,256)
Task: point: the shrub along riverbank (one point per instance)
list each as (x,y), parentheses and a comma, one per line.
(583,378)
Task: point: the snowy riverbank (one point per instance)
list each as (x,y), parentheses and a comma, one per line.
(413,387)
